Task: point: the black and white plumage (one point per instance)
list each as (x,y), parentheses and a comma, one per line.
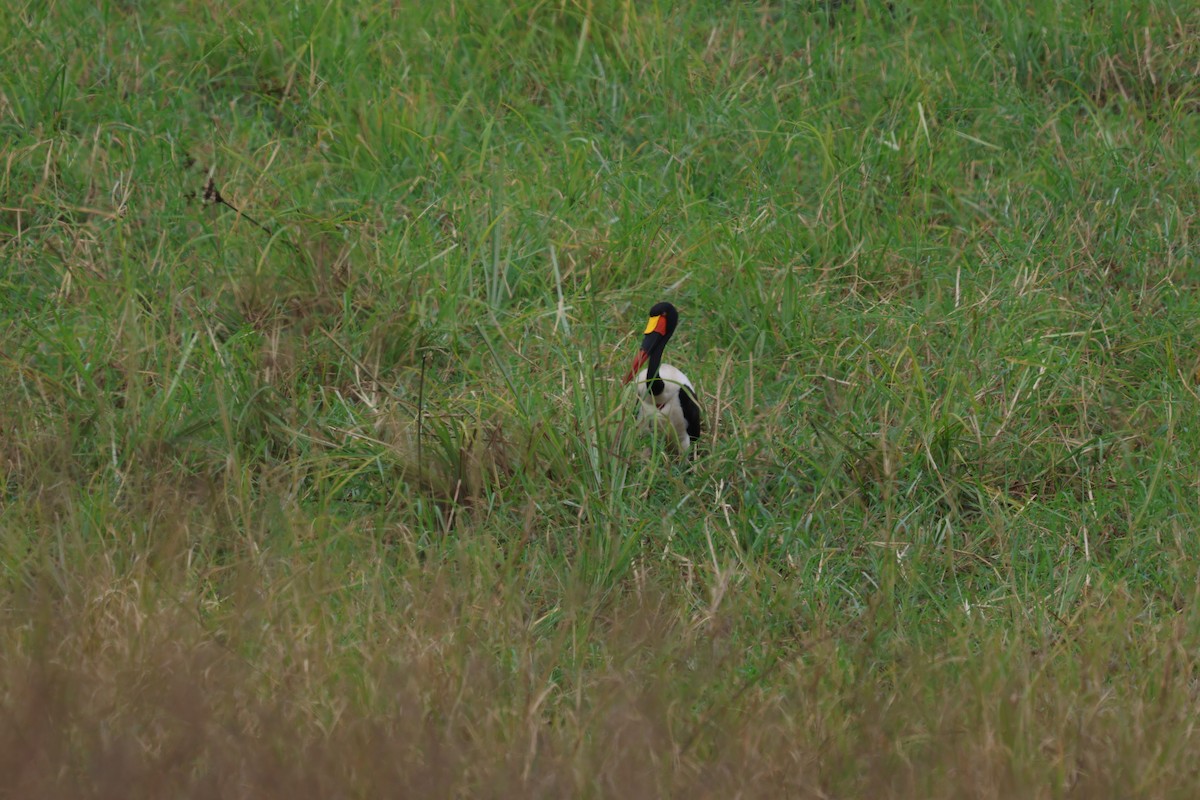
(667,398)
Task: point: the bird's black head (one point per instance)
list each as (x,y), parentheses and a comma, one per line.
(668,313)
(662,322)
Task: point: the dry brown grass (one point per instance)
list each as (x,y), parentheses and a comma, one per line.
(157,666)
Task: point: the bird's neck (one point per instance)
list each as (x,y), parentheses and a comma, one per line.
(653,380)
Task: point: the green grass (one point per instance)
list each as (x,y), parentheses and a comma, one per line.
(328,488)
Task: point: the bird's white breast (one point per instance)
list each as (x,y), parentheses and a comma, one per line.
(664,409)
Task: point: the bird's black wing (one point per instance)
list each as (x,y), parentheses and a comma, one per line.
(691,411)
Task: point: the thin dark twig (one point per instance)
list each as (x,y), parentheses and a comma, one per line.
(421,419)
(212,195)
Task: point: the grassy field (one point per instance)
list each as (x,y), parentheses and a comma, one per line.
(317,474)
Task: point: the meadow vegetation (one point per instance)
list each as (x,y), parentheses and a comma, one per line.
(317,475)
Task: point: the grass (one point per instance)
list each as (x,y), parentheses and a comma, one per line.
(317,472)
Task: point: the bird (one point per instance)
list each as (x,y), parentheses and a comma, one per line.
(667,398)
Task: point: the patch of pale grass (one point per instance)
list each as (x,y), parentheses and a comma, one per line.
(124,684)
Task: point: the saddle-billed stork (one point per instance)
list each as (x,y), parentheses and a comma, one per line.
(667,396)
